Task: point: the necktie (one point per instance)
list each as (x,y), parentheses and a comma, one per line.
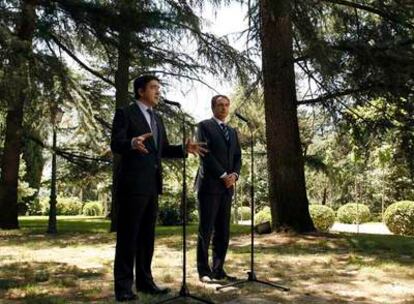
(225,131)
(154,128)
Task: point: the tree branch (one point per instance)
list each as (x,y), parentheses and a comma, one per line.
(70,156)
(331,95)
(370,9)
(74,57)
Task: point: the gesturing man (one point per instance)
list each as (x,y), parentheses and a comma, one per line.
(217,174)
(138,134)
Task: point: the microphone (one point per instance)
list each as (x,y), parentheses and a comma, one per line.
(172,103)
(241,117)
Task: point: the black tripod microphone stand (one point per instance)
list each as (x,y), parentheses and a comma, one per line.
(184,291)
(251,274)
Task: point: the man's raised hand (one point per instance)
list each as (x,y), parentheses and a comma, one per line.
(196,148)
(138,143)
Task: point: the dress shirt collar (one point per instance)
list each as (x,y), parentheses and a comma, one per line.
(220,122)
(144,108)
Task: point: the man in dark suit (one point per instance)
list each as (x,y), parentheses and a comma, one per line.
(138,134)
(218,172)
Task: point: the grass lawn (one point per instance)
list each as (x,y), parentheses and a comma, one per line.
(75,266)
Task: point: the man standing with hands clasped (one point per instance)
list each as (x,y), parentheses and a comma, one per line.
(216,177)
(138,134)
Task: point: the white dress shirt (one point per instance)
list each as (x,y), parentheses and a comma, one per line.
(144,109)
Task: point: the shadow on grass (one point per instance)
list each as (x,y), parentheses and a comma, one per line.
(317,267)
(61,240)
(48,282)
(78,231)
(376,248)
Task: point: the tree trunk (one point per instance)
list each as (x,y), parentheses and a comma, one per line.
(17,87)
(288,200)
(33,156)
(122,99)
(325,192)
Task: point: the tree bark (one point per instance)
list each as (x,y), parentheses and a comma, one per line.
(121,99)
(33,156)
(288,200)
(17,87)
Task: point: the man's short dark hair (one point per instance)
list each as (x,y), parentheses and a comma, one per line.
(214,99)
(141,82)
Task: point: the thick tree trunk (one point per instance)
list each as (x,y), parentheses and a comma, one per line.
(288,200)
(17,94)
(122,99)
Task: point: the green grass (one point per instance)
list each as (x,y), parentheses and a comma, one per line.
(65,224)
(75,266)
(85,224)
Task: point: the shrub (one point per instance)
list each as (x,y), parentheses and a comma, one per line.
(263,215)
(236,217)
(68,206)
(64,206)
(323,217)
(44,205)
(399,218)
(353,213)
(35,208)
(194,219)
(244,213)
(93,208)
(169,214)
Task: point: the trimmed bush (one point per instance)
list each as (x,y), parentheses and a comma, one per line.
(353,213)
(323,217)
(399,218)
(68,206)
(263,215)
(93,208)
(64,206)
(244,213)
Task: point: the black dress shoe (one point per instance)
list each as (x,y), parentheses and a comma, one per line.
(153,289)
(125,297)
(223,276)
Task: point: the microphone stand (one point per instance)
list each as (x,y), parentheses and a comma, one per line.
(251,274)
(184,291)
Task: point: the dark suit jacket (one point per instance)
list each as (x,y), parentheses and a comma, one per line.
(222,157)
(140,173)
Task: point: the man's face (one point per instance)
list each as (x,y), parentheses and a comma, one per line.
(221,108)
(150,94)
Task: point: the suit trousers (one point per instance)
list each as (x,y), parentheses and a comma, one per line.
(135,241)
(214,213)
